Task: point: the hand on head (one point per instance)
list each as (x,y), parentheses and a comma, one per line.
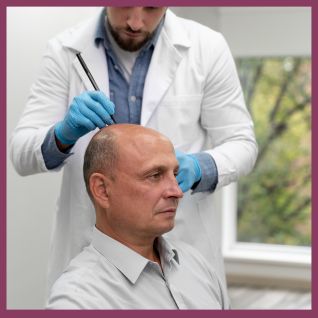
(87,111)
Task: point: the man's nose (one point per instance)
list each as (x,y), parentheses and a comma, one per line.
(135,18)
(173,189)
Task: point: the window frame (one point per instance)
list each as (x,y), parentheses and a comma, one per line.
(259,263)
(249,262)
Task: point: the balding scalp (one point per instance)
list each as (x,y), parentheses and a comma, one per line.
(100,156)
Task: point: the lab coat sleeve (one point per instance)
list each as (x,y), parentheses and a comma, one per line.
(46,105)
(226,118)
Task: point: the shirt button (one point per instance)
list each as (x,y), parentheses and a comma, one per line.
(116,67)
(133,98)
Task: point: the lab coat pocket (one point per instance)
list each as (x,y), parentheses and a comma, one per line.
(178,117)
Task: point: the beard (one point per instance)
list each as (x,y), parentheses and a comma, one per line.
(129,44)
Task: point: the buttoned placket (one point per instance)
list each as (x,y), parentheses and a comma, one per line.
(117,68)
(174,292)
(134,89)
(134,101)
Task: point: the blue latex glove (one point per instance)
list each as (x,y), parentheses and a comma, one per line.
(88,111)
(189,170)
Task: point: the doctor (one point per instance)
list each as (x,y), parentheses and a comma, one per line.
(154,69)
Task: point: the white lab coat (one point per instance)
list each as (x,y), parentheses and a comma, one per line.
(191,94)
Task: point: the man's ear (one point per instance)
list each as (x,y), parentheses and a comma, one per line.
(99,187)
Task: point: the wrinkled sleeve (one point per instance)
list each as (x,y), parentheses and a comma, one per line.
(46,105)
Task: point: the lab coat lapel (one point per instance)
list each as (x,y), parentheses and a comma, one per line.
(82,40)
(169,51)
(163,66)
(96,62)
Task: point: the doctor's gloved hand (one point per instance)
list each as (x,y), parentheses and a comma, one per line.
(87,111)
(189,170)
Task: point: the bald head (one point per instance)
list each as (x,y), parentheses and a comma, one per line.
(128,133)
(118,145)
(130,174)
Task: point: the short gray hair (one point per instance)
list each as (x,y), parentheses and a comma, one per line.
(100,156)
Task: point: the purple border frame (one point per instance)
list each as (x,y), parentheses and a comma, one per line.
(4,313)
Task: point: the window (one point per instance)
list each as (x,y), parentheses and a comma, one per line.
(274,202)
(272,48)
(270,209)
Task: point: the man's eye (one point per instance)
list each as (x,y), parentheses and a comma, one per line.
(155,176)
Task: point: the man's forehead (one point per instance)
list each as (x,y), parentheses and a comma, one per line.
(146,166)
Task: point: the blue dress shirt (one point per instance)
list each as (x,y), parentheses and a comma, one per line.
(127,98)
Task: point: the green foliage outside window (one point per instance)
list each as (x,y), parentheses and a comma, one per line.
(274,204)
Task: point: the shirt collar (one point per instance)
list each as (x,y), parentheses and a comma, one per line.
(166,251)
(101,34)
(127,261)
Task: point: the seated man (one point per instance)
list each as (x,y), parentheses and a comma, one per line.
(130,172)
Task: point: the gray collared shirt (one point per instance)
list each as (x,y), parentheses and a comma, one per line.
(109,275)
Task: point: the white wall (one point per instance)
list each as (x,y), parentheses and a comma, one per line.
(31,200)
(268,31)
(208,16)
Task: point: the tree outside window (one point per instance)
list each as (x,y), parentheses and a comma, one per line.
(274,201)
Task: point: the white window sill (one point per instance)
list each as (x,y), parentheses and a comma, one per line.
(270,254)
(260,264)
